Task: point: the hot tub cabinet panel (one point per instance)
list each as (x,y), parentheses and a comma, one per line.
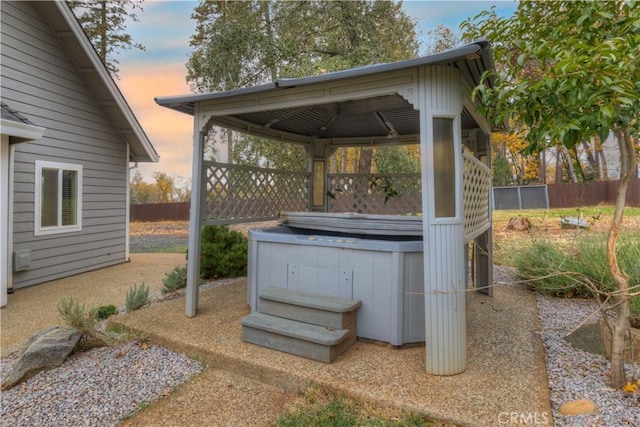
(386,275)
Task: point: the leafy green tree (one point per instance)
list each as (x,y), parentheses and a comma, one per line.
(140,191)
(165,186)
(397,159)
(104,22)
(501,172)
(165,189)
(244,43)
(238,44)
(572,72)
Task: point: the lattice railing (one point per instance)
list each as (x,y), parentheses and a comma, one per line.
(388,194)
(243,194)
(477,185)
(237,193)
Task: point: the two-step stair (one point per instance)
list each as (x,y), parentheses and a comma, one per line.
(313,326)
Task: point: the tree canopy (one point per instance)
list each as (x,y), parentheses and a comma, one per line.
(571,72)
(104,22)
(238,44)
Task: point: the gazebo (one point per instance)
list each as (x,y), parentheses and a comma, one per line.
(426,101)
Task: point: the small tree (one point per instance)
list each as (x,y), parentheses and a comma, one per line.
(140,191)
(572,72)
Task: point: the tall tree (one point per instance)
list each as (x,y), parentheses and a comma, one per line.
(165,186)
(573,73)
(244,43)
(104,22)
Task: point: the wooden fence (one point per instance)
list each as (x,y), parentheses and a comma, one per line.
(153,212)
(566,195)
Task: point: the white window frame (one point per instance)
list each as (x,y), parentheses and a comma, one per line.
(38,229)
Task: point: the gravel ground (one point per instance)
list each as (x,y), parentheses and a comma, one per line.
(100,387)
(576,374)
(149,244)
(103,386)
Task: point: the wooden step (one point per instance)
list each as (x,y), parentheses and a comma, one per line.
(319,310)
(303,299)
(299,338)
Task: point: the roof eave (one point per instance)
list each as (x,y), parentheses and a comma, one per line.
(141,146)
(186,103)
(21,132)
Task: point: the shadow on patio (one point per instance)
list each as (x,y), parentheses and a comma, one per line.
(506,371)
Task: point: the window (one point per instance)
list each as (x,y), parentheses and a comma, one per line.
(58,198)
(444,174)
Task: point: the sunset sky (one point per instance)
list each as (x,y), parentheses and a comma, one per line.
(165,28)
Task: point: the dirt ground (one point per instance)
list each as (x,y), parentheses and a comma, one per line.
(172,236)
(181,228)
(548,225)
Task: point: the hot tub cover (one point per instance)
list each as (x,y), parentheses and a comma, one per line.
(351,222)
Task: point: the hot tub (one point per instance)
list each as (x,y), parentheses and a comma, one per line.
(383,269)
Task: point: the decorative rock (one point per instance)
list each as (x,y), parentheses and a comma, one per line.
(578,407)
(588,338)
(47,349)
(571,222)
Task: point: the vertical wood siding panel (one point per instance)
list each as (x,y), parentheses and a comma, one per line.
(381,266)
(444,269)
(413,297)
(362,289)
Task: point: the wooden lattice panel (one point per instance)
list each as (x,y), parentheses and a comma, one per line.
(242,193)
(390,194)
(477,184)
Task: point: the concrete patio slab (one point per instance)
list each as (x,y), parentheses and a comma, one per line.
(31,309)
(506,373)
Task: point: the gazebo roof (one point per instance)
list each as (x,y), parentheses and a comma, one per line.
(372,117)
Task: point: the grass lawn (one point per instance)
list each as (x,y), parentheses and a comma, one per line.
(319,407)
(546,224)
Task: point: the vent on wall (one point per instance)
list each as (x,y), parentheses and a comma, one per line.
(22,260)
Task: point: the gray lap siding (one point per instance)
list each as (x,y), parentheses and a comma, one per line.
(40,80)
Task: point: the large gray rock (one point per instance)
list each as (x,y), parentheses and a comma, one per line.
(47,349)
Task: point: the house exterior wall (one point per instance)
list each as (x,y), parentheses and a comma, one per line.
(4,218)
(40,80)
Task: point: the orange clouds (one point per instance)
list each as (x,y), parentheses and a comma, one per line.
(170,132)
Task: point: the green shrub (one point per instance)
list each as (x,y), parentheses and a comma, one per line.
(75,315)
(223,253)
(105,311)
(175,279)
(137,297)
(558,271)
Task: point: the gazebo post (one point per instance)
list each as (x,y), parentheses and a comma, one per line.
(440,103)
(195,219)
